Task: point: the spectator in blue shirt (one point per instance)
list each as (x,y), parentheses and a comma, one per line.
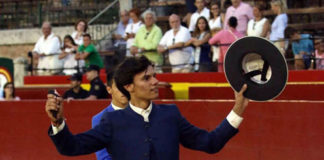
(302,46)
(119,101)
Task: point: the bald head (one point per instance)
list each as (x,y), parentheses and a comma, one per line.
(174,21)
(46,28)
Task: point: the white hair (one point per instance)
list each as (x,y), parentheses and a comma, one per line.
(149,12)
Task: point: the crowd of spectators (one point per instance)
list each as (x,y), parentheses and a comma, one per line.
(199,45)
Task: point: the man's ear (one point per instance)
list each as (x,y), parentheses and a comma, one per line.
(129,87)
(108,88)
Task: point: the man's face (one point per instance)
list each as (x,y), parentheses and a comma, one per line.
(149,20)
(199,4)
(75,83)
(118,98)
(81,26)
(144,86)
(90,75)
(236,3)
(86,41)
(124,17)
(174,22)
(46,29)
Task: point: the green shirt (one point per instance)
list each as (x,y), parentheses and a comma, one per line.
(149,41)
(93,57)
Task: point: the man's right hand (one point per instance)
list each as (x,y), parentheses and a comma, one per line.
(54,107)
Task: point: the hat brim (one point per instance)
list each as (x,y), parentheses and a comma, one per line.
(235,74)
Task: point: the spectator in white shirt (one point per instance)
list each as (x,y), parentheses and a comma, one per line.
(81,28)
(201,11)
(243,13)
(68,55)
(173,41)
(259,26)
(132,29)
(46,51)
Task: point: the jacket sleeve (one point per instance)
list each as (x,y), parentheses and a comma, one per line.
(199,139)
(84,143)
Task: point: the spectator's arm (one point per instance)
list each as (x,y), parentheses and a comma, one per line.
(84,55)
(201,42)
(63,55)
(249,13)
(266,29)
(215,39)
(155,41)
(91,97)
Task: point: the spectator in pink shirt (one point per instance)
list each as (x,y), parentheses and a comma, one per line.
(225,37)
(242,11)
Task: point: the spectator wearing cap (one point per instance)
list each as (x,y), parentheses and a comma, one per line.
(76,91)
(97,88)
(89,53)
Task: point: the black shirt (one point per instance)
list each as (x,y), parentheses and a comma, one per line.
(98,89)
(80,95)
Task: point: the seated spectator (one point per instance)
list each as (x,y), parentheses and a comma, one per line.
(81,28)
(319,54)
(9,92)
(201,35)
(278,26)
(147,39)
(202,11)
(302,47)
(225,38)
(173,41)
(259,26)
(242,12)
(97,88)
(46,51)
(68,55)
(76,91)
(215,23)
(132,29)
(88,52)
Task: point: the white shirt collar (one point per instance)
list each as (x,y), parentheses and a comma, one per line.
(143,112)
(115,107)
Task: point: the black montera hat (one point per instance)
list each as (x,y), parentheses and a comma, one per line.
(258,63)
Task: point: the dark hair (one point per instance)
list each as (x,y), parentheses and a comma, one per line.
(219,8)
(136,11)
(196,31)
(260,6)
(110,78)
(85,26)
(126,71)
(86,35)
(232,22)
(13,89)
(289,31)
(70,38)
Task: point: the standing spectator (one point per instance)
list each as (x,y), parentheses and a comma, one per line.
(302,47)
(259,26)
(132,29)
(118,102)
(68,55)
(215,23)
(202,11)
(97,88)
(9,92)
(46,51)
(243,13)
(319,54)
(118,35)
(191,8)
(81,28)
(200,39)
(226,37)
(173,41)
(279,24)
(147,40)
(76,91)
(89,53)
